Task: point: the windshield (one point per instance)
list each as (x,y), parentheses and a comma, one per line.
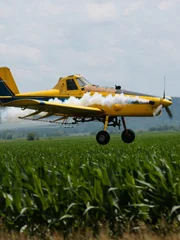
(82,81)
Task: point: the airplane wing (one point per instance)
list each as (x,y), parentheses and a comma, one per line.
(55,108)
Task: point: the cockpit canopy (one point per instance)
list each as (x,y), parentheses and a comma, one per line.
(71,83)
(75,83)
(82,81)
(79,84)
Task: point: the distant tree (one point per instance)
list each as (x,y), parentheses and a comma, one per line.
(9,136)
(93,133)
(152,129)
(31,136)
(164,128)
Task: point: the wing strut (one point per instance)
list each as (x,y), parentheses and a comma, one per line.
(31,114)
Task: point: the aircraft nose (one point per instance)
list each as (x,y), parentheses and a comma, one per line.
(164,103)
(167,102)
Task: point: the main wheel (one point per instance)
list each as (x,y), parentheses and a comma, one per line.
(128,136)
(102,137)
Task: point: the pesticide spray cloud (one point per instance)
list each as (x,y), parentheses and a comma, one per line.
(89,100)
(11,115)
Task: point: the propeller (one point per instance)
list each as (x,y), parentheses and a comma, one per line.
(168,112)
(163,103)
(157,110)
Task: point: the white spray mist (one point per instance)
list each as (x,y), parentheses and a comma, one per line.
(109,100)
(11,114)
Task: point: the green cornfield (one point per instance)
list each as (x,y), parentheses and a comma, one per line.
(73,183)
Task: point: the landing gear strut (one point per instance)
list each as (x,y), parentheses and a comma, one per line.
(127,135)
(103,137)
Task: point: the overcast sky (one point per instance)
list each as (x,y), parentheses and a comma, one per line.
(132,43)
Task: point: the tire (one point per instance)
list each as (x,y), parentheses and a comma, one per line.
(128,136)
(103,137)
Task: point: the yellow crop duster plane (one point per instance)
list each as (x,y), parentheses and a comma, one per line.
(73,97)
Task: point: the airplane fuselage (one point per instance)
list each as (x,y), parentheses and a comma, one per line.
(134,108)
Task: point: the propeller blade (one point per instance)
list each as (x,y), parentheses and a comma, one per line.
(164,93)
(157,110)
(169,112)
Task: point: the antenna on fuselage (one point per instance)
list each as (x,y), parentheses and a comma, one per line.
(117,87)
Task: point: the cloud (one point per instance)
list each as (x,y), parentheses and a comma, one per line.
(165,5)
(168,46)
(45,9)
(20,52)
(133,7)
(102,12)
(2,28)
(5,10)
(110,42)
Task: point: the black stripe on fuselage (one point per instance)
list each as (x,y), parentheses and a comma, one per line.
(8,100)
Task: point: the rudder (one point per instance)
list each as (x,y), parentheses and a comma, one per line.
(6,76)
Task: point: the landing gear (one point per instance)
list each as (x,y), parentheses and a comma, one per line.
(103,137)
(128,136)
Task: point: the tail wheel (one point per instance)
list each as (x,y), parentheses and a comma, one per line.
(128,136)
(103,137)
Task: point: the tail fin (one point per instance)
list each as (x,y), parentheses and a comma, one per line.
(8,80)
